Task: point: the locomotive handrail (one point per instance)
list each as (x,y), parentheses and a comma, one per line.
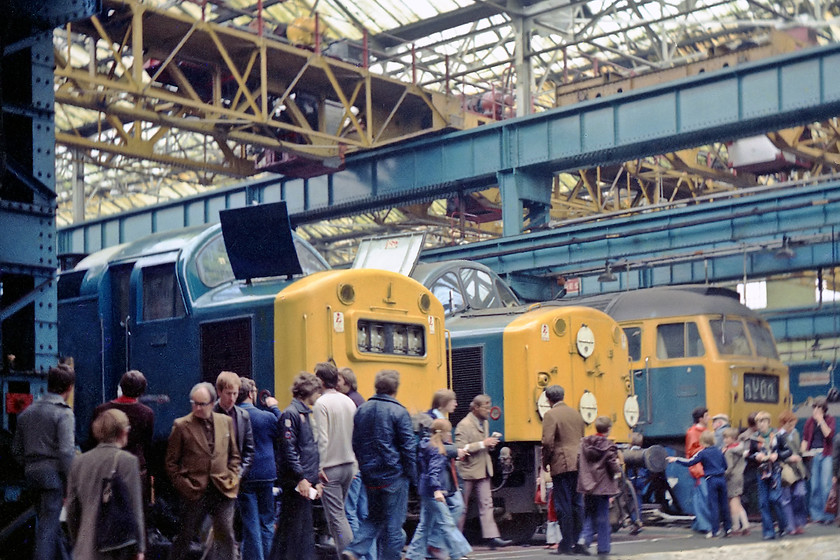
(329,319)
(447,337)
(648,390)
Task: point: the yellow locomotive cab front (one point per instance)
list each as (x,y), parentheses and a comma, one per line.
(581,349)
(366,320)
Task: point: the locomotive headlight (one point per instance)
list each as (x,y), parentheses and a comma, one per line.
(560,327)
(346,293)
(400,340)
(377,338)
(631,411)
(363,336)
(415,341)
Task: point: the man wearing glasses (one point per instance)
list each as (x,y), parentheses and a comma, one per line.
(202,460)
(472,434)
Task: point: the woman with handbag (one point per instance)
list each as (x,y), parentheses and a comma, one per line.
(104,496)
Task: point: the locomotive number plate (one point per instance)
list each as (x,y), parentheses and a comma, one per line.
(761,388)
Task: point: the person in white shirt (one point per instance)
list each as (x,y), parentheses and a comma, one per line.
(332,419)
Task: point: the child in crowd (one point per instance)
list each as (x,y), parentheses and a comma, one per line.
(733,452)
(764,453)
(598,472)
(442,538)
(714,469)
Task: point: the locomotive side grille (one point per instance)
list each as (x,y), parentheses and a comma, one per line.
(467,378)
(226,346)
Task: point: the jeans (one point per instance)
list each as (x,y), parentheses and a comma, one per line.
(568,504)
(799,503)
(597,518)
(256,505)
(718,503)
(820,487)
(437,529)
(355,504)
(455,503)
(700,501)
(769,503)
(48,491)
(387,506)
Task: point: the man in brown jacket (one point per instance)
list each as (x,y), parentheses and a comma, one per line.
(202,460)
(563,429)
(476,468)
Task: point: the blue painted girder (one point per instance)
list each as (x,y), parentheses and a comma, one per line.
(796,88)
(721,241)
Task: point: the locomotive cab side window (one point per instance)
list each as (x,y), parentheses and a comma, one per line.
(162,297)
(678,340)
(634,342)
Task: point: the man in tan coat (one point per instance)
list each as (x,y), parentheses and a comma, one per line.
(563,429)
(473,436)
(202,460)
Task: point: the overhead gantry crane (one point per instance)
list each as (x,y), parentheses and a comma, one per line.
(127,78)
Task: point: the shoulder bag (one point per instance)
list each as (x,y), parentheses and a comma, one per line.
(116,527)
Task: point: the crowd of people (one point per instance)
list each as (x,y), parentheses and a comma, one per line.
(771,463)
(228,460)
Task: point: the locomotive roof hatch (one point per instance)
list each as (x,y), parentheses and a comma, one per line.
(259,241)
(395,253)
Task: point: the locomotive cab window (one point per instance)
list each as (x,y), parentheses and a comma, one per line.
(161,293)
(731,337)
(310,261)
(678,340)
(763,340)
(213,263)
(508,298)
(479,289)
(448,291)
(634,342)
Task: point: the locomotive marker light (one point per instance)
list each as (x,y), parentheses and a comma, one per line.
(631,411)
(588,406)
(585,341)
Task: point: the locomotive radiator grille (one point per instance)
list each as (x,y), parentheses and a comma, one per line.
(467,378)
(226,346)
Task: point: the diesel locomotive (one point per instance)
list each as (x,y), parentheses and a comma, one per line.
(512,352)
(694,346)
(247,296)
